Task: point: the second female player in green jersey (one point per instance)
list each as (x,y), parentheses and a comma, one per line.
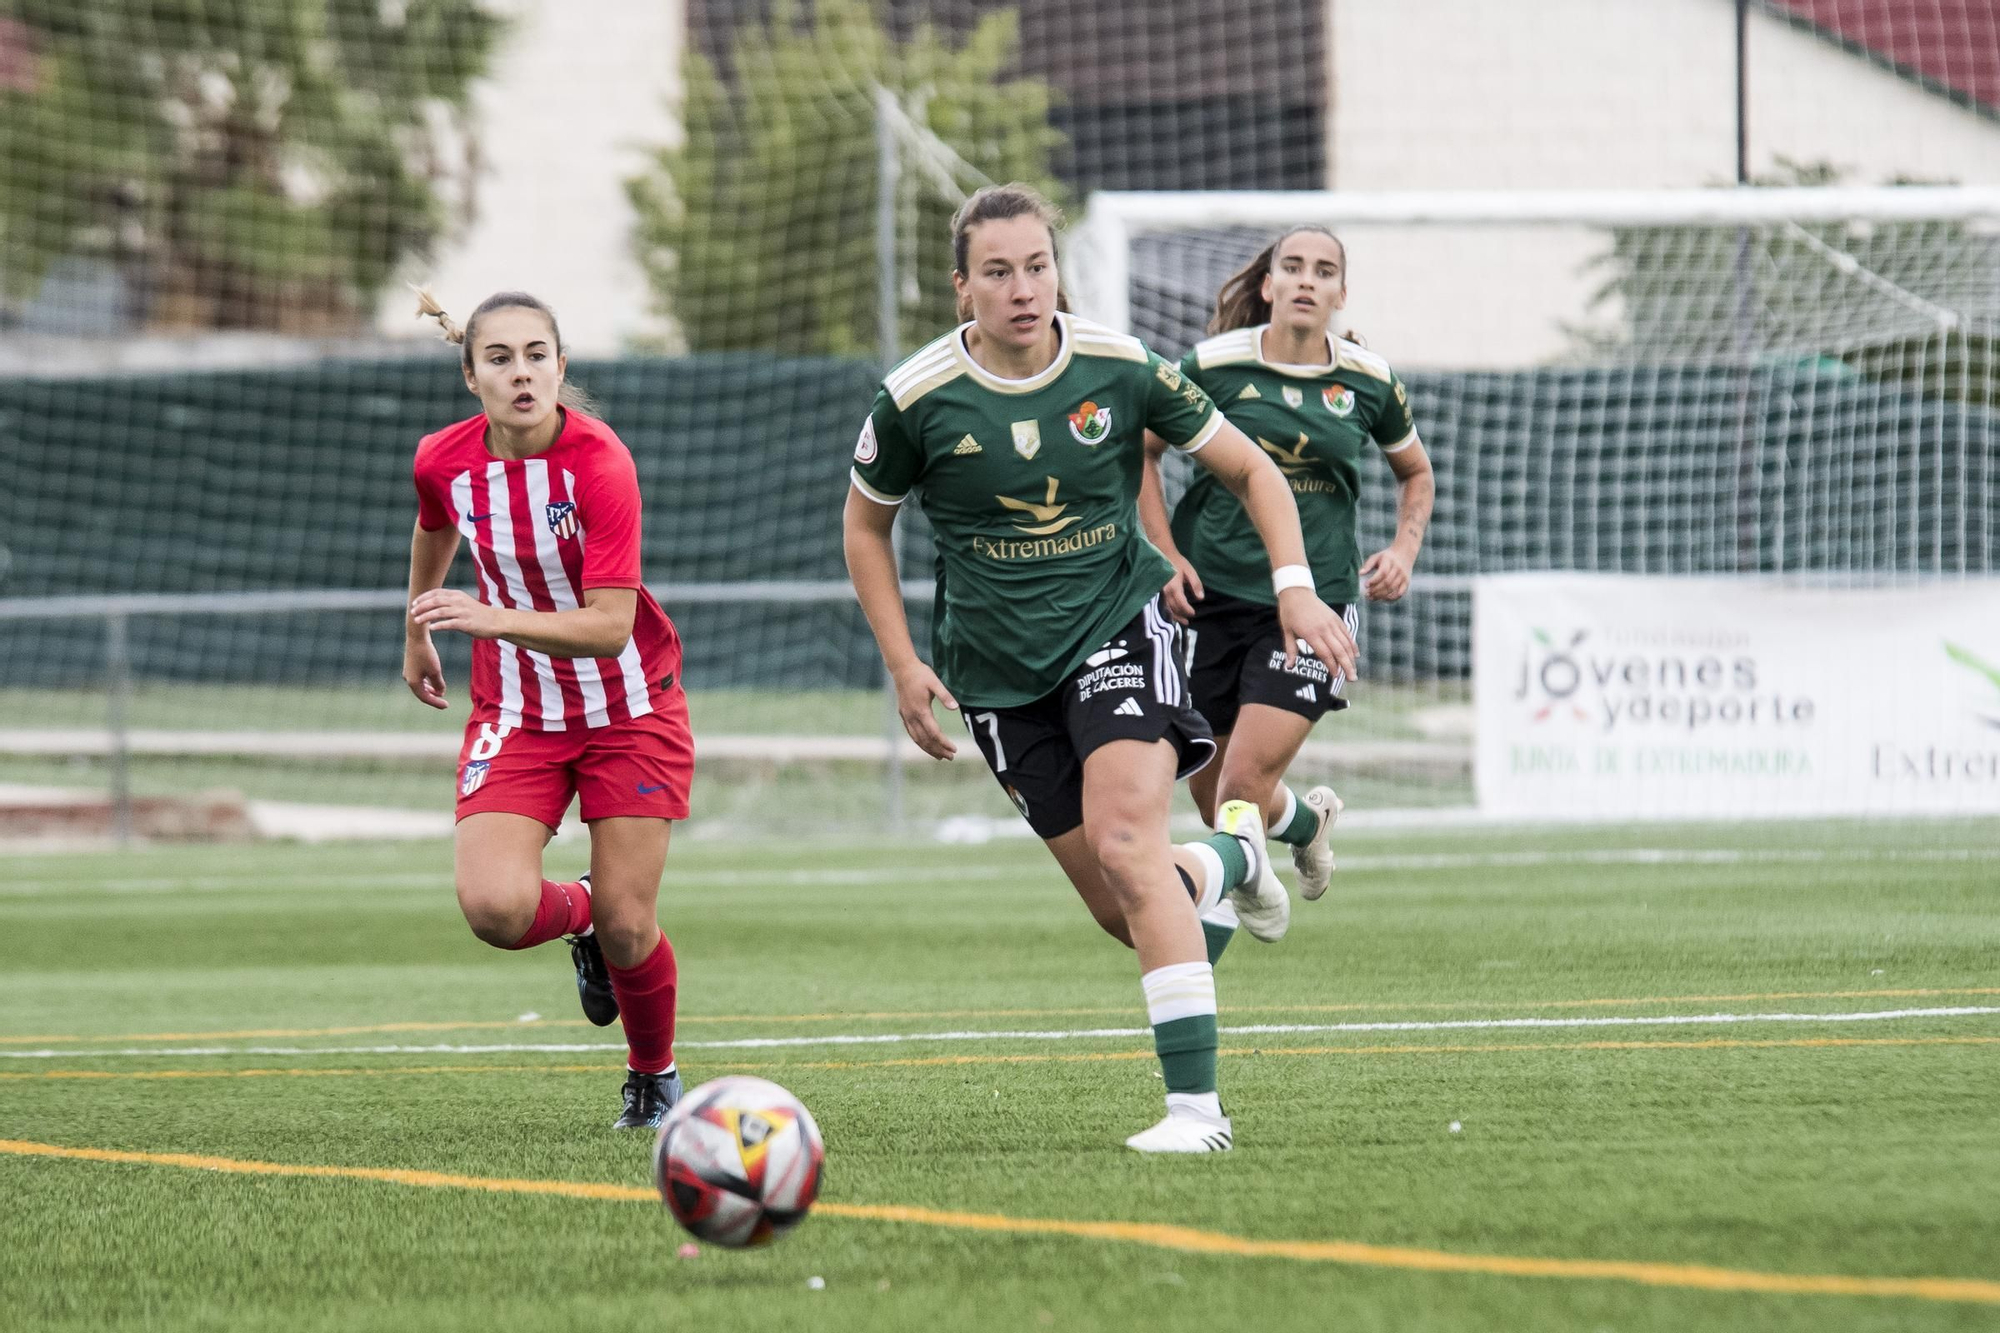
(1022,432)
(1317,404)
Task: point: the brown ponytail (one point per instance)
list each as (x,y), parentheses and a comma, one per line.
(572,396)
(1240,303)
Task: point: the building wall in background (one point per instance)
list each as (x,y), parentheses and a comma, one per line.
(577,93)
(1588,94)
(1585,94)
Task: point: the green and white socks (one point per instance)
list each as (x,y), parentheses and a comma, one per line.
(1295,825)
(1223,866)
(1180,1003)
(1297,822)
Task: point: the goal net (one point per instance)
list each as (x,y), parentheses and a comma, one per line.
(1717,382)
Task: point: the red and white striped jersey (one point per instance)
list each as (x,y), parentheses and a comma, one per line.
(542,531)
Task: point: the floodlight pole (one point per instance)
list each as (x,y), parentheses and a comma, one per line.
(887,182)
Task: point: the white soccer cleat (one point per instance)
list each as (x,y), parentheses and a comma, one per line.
(1314,861)
(1183,1131)
(1261,901)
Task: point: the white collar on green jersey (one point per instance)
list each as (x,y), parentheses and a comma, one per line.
(1291,368)
(1000,384)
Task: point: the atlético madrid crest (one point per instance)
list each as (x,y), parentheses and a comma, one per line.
(562,519)
(474,777)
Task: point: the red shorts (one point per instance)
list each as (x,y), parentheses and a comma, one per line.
(641,767)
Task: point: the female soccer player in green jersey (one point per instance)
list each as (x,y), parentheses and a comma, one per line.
(1022,431)
(1315,403)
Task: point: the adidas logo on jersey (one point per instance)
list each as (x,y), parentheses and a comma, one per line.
(1130,708)
(1308,693)
(968,445)
(1249,391)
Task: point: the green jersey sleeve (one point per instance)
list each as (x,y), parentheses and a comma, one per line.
(1176,408)
(887,461)
(1394,426)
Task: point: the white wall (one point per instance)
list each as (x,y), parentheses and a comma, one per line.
(1454,94)
(1473,94)
(576,95)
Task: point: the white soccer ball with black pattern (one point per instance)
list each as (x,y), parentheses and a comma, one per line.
(738,1162)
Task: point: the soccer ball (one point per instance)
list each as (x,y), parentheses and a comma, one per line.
(738,1162)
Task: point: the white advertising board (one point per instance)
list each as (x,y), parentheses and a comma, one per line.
(1625,697)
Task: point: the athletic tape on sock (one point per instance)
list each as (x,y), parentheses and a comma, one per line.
(1210,888)
(1178,990)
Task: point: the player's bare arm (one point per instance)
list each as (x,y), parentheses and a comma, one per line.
(871,563)
(1184,589)
(601,627)
(1385,575)
(431,553)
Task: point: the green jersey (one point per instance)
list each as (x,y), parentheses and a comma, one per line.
(1315,422)
(1031,487)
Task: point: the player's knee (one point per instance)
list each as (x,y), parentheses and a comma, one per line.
(1123,852)
(627,938)
(495,915)
(1255,785)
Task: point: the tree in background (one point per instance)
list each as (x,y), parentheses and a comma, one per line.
(757,231)
(251,164)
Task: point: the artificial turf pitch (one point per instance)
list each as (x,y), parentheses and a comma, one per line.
(1772,1172)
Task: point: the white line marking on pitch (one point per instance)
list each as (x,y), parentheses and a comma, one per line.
(442,880)
(900,1038)
(1658,856)
(945,873)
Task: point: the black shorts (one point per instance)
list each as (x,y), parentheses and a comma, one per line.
(1236,656)
(1134,688)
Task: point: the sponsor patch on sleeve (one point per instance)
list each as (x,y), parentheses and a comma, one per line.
(864,447)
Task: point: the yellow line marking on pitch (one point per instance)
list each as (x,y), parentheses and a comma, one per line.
(918,1062)
(249,1034)
(1186,1240)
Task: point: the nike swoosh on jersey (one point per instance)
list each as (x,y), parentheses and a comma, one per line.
(644,790)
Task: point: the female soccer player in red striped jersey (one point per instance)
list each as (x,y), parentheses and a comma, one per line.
(575,679)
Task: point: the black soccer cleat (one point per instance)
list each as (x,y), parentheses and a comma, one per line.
(593,981)
(648,1098)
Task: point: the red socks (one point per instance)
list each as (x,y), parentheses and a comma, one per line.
(563,910)
(646,1008)
(645,993)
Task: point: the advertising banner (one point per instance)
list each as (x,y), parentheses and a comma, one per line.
(1629,697)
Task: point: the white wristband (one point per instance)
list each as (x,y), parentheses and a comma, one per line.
(1292,576)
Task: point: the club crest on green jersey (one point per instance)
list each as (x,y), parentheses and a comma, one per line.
(1294,396)
(1090,424)
(1339,400)
(1027,438)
